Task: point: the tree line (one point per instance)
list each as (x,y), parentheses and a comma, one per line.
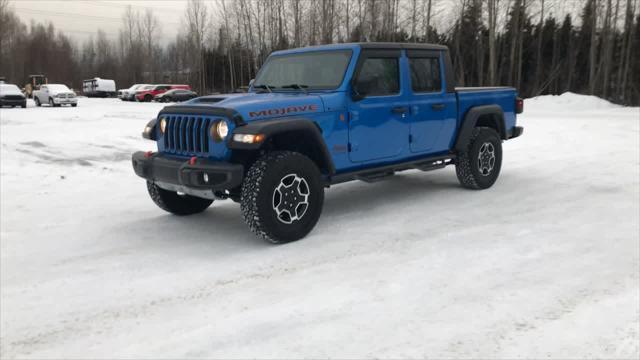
(527,44)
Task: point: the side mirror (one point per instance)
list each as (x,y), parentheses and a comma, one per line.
(251,82)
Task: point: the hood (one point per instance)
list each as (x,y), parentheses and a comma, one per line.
(9,90)
(257,106)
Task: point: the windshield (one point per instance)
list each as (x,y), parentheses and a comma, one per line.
(313,70)
(58,88)
(9,89)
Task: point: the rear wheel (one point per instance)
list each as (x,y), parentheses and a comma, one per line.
(479,165)
(148,98)
(24,105)
(175,203)
(282,196)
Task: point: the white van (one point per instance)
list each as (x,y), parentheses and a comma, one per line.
(97,87)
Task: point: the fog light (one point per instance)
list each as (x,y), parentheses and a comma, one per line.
(205,177)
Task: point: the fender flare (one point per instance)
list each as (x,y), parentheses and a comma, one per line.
(273,127)
(471,119)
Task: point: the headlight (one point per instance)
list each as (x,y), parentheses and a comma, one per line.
(163,125)
(219,130)
(149,130)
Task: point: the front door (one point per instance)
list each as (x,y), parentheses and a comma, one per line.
(378,127)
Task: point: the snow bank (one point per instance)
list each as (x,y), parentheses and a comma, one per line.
(567,102)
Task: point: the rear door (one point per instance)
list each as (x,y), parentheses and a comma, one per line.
(433,109)
(377,125)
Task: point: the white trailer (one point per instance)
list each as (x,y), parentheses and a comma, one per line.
(98,87)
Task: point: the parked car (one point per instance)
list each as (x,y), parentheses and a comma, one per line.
(98,87)
(148,94)
(175,95)
(130,93)
(320,116)
(10,95)
(55,95)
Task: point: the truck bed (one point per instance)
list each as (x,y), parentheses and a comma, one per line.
(503,96)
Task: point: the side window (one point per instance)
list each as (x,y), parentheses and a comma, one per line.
(425,74)
(379,77)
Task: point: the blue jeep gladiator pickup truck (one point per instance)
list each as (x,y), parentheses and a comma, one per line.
(322,115)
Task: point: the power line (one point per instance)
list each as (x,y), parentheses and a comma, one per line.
(108,4)
(81,16)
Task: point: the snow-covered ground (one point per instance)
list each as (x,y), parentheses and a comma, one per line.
(544,264)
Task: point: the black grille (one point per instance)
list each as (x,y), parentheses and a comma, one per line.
(187,134)
(13,97)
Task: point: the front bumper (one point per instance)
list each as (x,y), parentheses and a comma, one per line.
(62,101)
(12,102)
(161,169)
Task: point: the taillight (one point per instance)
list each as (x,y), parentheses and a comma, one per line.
(519,105)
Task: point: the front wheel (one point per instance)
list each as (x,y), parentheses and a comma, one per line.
(479,165)
(176,203)
(282,196)
(37,101)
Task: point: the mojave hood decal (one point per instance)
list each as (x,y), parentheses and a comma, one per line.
(253,106)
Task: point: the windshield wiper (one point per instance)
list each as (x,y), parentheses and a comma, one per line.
(296,86)
(266,87)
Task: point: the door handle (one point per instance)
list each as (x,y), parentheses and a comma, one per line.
(399,110)
(438,107)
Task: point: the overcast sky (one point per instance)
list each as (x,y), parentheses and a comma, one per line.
(81,18)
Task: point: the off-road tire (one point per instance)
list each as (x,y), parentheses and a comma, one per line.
(257,196)
(174,203)
(37,101)
(467,164)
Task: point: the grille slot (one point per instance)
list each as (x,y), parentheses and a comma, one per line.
(186,135)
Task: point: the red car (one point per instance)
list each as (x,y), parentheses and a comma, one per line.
(149,92)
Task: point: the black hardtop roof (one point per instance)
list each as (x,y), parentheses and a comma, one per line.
(391,45)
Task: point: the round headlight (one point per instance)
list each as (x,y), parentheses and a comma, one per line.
(163,125)
(220,130)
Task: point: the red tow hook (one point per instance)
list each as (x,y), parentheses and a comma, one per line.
(192,161)
(148,154)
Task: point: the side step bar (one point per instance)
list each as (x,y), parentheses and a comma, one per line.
(380,173)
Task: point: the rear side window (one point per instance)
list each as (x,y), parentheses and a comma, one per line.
(379,77)
(425,74)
